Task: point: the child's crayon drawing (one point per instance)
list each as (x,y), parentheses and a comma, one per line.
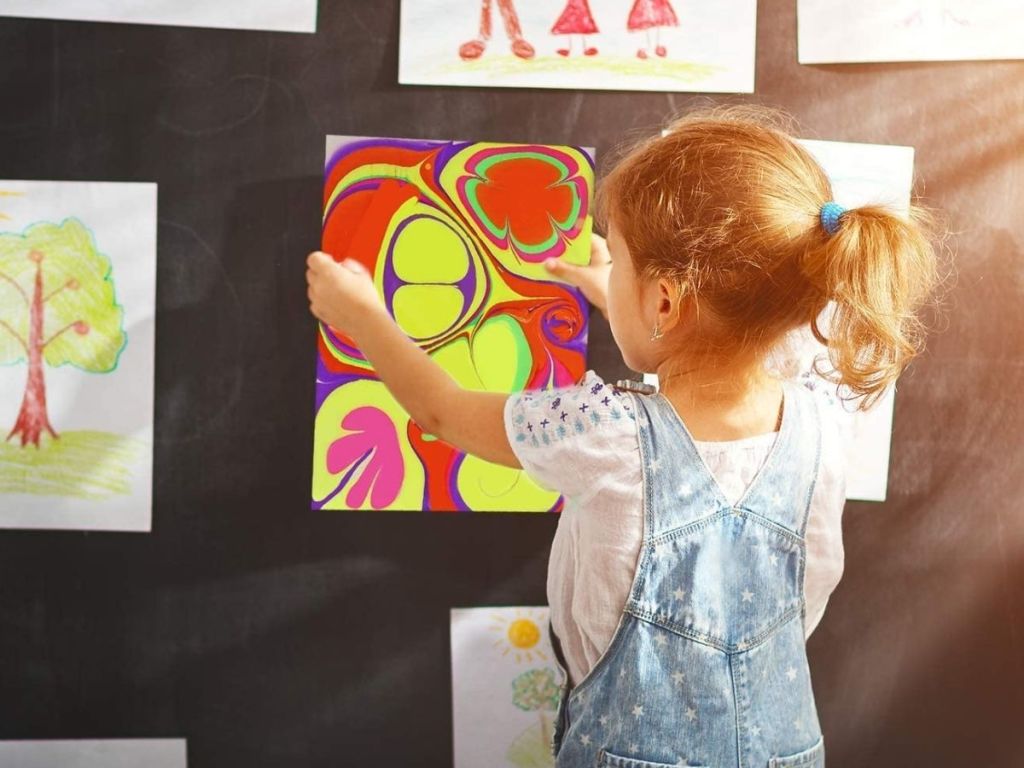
(505,687)
(276,16)
(77,299)
(455,235)
(576,20)
(834,31)
(94,753)
(656,45)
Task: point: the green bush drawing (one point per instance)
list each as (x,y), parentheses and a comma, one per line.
(535,690)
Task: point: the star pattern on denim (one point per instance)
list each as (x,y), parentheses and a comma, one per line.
(666,602)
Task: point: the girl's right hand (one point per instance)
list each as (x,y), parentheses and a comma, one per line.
(591,278)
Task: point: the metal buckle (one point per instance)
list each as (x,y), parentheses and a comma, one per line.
(639,387)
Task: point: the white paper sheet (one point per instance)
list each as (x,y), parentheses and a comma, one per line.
(860,174)
(836,31)
(271,15)
(97,373)
(92,753)
(711,49)
(504,687)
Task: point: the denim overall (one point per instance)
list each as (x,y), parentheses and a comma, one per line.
(708,665)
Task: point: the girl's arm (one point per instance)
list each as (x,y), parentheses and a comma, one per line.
(343,296)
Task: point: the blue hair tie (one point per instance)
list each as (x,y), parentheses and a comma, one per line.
(831,212)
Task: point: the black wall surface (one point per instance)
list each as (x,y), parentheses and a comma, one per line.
(269,635)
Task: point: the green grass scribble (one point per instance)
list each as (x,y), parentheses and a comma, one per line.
(88,465)
(500,65)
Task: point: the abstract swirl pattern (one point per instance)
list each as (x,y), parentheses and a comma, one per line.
(455,235)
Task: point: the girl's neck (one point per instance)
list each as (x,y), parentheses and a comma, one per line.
(720,405)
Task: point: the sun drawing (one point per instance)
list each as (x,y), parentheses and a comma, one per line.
(520,634)
(3,193)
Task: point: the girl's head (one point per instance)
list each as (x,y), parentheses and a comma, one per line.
(717,242)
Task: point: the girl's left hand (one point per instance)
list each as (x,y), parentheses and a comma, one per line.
(341,294)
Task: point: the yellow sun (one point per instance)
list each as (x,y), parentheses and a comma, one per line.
(3,193)
(519,633)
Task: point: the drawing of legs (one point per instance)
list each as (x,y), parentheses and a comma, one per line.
(650,16)
(474,49)
(576,19)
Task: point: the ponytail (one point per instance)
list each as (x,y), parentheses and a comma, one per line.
(729,202)
(877,269)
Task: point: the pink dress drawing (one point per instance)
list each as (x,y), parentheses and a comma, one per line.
(576,19)
(648,15)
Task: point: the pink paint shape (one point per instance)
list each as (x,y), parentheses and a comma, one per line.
(372,448)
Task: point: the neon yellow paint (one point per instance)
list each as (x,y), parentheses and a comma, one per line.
(84,464)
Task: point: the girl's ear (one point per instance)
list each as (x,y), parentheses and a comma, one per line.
(673,303)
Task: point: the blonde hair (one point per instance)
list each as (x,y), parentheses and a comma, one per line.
(727,205)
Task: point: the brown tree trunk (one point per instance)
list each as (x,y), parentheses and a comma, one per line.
(32,418)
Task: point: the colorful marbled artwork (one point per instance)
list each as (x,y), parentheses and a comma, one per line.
(455,235)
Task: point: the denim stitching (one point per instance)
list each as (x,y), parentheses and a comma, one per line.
(742,646)
(700,524)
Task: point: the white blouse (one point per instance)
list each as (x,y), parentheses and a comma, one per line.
(593,459)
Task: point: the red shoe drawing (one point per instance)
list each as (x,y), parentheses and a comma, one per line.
(522,49)
(563,51)
(474,49)
(590,52)
(642,53)
(661,51)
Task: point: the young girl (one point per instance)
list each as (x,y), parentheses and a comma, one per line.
(700,537)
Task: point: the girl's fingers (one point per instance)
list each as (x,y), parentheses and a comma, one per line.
(318,261)
(599,250)
(572,273)
(355,266)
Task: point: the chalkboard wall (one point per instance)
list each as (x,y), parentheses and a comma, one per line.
(270,635)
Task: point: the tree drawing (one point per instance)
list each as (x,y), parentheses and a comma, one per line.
(57,307)
(535,690)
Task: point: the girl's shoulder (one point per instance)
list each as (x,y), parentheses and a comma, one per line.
(566,436)
(588,402)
